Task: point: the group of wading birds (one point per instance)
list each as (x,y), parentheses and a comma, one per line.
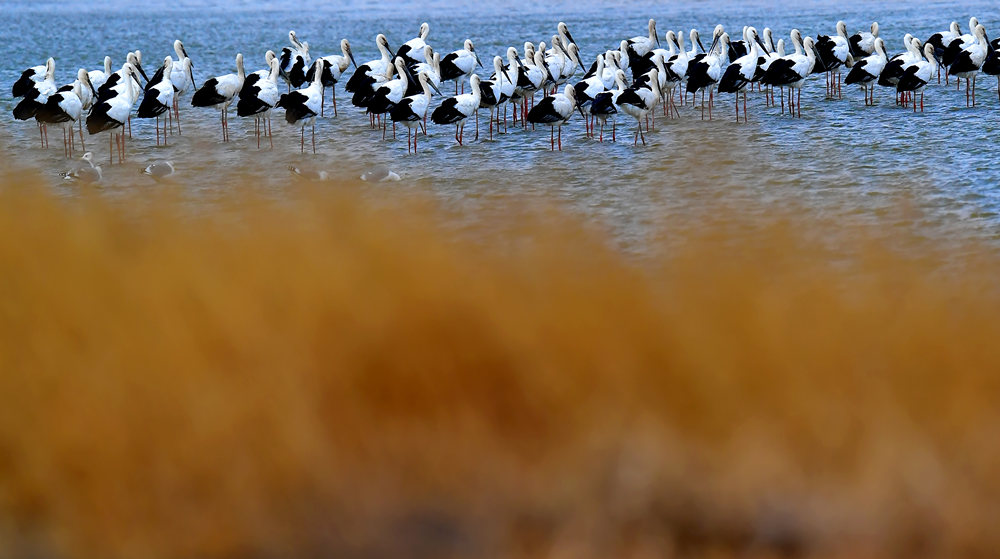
(635,78)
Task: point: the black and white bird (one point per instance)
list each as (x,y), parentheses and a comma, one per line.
(302,106)
(968,63)
(587,89)
(555,111)
(502,88)
(258,97)
(121,76)
(834,52)
(29,78)
(868,70)
(705,73)
(334,66)
(894,67)
(65,108)
(366,74)
(456,110)
(460,64)
(792,71)
(412,51)
(956,47)
(389,93)
(432,68)
(295,60)
(113,110)
(638,100)
(36,94)
(412,110)
(862,43)
(158,97)
(219,92)
(87,172)
(918,75)
(605,105)
(743,71)
(640,46)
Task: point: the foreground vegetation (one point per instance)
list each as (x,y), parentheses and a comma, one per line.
(334,377)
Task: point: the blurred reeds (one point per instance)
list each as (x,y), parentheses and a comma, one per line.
(328,376)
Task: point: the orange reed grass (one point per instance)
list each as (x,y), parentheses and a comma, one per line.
(340,377)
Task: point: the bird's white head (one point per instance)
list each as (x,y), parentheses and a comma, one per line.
(168,65)
(88,157)
(425,30)
(880,47)
(973,23)
(107,65)
(930,55)
(269,56)
(179,50)
(50,68)
(874,29)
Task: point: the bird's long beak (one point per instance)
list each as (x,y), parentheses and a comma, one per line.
(702,45)
(480,62)
(504,70)
(92,90)
(141,71)
(435,88)
(184,52)
(136,78)
(351,56)
(715,42)
(761,43)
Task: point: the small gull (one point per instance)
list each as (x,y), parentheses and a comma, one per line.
(159,171)
(88,173)
(380,174)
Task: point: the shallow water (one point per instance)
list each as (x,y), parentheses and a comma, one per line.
(842,159)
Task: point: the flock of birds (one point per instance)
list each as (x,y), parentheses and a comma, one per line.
(634,78)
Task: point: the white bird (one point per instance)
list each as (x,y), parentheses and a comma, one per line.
(334,66)
(432,68)
(412,110)
(113,109)
(160,171)
(303,105)
(258,97)
(503,88)
(98,77)
(637,101)
(460,64)
(367,74)
(862,43)
(587,90)
(919,75)
(456,110)
(28,78)
(182,76)
(412,51)
(867,71)
(605,105)
(158,97)
(554,110)
(389,93)
(219,92)
(65,107)
(89,173)
(295,60)
(742,72)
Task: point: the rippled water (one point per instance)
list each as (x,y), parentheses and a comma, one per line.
(841,159)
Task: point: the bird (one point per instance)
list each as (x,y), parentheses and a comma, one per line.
(88,173)
(412,51)
(460,64)
(587,89)
(160,171)
(113,108)
(968,63)
(638,101)
(259,96)
(505,88)
(605,105)
(390,93)
(639,46)
(303,105)
(432,68)
(294,61)
(867,71)
(28,78)
(182,77)
(65,107)
(955,48)
(894,67)
(456,110)
(918,75)
(792,71)
(158,97)
(555,111)
(380,174)
(991,66)
(743,71)
(98,77)
(412,110)
(705,73)
(308,174)
(862,43)
(834,52)
(334,66)
(219,92)
(364,75)
(35,94)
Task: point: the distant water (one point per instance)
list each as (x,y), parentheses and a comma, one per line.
(841,159)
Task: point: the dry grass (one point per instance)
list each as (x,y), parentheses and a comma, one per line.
(333,377)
